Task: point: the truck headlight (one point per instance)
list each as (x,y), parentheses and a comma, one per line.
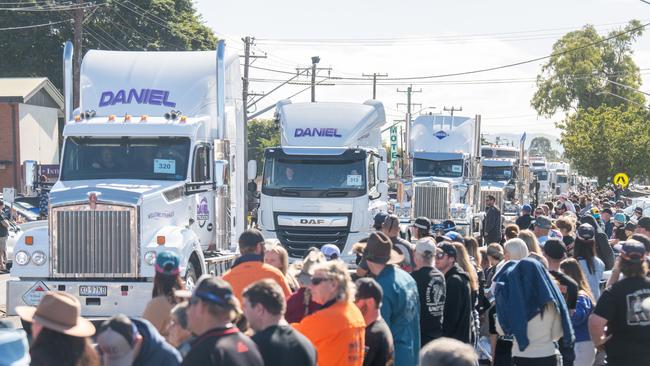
(21,258)
(150,257)
(39,258)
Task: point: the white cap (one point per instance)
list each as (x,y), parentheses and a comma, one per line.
(425,245)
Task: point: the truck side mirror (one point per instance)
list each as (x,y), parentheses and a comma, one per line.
(382,188)
(382,172)
(252,169)
(220,172)
(29,176)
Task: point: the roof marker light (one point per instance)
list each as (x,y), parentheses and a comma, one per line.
(143,118)
(127,118)
(111,118)
(183,119)
(77,118)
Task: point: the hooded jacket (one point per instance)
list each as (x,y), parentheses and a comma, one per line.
(603,249)
(522,292)
(154,351)
(457,316)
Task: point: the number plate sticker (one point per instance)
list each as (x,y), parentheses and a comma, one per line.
(164,166)
(85,290)
(354,180)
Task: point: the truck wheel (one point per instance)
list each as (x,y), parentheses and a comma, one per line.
(190,276)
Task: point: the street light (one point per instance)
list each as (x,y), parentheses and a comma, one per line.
(314,61)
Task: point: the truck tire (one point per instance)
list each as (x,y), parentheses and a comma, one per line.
(190,276)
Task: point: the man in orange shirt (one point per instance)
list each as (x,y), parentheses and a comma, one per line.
(250,266)
(338,329)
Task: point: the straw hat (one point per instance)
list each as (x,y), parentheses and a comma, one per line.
(58,311)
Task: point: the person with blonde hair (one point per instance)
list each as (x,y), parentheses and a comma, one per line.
(277,256)
(515,249)
(534,250)
(337,330)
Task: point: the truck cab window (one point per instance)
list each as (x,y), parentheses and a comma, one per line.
(202,164)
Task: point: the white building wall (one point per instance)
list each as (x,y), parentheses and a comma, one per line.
(39,133)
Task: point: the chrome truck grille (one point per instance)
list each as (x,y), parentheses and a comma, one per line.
(94,243)
(497,193)
(431,202)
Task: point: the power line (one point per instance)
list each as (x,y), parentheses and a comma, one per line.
(52,8)
(35,25)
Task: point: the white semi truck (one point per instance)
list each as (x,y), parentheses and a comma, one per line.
(559,177)
(327,179)
(445,170)
(148,165)
(541,174)
(505,176)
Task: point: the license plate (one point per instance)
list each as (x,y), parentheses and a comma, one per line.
(93,290)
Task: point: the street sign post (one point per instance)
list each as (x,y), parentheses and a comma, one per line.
(8,195)
(621,179)
(393,152)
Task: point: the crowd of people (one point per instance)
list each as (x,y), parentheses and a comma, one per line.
(566,284)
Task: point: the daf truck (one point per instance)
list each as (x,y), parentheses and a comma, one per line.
(151,161)
(327,179)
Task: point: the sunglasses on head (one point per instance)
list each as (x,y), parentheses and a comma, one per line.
(440,255)
(317,280)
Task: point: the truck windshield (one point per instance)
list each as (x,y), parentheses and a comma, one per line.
(496,173)
(438,168)
(314,176)
(541,175)
(562,179)
(162,158)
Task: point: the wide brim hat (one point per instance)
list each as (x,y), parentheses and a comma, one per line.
(379,249)
(60,312)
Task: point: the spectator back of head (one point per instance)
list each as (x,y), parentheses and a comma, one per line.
(448,352)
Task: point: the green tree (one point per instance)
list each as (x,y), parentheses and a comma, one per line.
(541,146)
(169,25)
(603,141)
(582,62)
(262,133)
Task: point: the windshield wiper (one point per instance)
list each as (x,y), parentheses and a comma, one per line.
(337,192)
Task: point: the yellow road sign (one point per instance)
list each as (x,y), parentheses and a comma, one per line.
(621,179)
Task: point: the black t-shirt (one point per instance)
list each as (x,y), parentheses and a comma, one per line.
(503,348)
(223,346)
(283,345)
(627,322)
(379,345)
(568,287)
(432,291)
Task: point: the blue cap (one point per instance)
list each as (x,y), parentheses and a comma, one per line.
(527,208)
(13,347)
(620,217)
(330,251)
(454,236)
(167,262)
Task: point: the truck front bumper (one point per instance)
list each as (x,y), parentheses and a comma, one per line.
(109,298)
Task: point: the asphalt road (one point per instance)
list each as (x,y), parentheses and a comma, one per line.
(3,301)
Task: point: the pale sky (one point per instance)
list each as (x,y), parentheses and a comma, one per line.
(415,38)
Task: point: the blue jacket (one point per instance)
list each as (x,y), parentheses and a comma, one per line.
(154,351)
(400,308)
(522,291)
(580,318)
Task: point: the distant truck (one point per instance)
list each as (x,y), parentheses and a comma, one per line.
(559,176)
(445,170)
(148,165)
(327,179)
(541,175)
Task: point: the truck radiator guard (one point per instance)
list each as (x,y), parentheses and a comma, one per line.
(431,201)
(98,243)
(297,239)
(497,193)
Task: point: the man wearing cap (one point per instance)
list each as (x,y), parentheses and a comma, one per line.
(541,227)
(525,219)
(212,308)
(379,341)
(606,215)
(400,306)
(638,213)
(250,266)
(492,221)
(278,342)
(124,342)
(431,287)
(421,228)
(390,227)
(620,310)
(331,252)
(379,220)
(457,314)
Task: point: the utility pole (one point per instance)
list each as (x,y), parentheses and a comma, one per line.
(406,171)
(77,42)
(374,82)
(313,70)
(452,110)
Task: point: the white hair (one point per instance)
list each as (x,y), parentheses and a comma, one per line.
(516,249)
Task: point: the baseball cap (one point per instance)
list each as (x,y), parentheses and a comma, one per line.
(116,340)
(607,211)
(422,223)
(595,211)
(454,236)
(368,288)
(211,289)
(644,223)
(638,209)
(543,222)
(630,226)
(250,238)
(527,208)
(379,249)
(631,250)
(620,217)
(585,232)
(426,246)
(379,219)
(448,225)
(554,249)
(330,251)
(167,263)
(448,248)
